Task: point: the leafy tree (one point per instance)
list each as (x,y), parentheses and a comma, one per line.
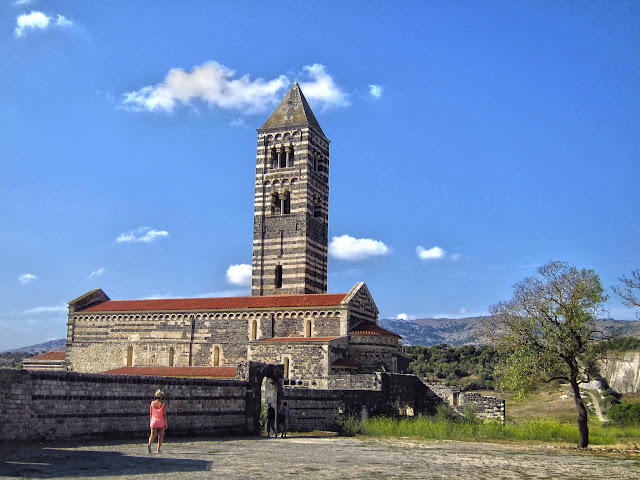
(547,332)
(454,364)
(629,296)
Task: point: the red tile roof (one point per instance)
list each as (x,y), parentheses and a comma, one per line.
(55,355)
(207,372)
(345,363)
(220,303)
(296,339)
(369,328)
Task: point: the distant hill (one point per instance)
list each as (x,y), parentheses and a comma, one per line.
(51,346)
(454,332)
(464,331)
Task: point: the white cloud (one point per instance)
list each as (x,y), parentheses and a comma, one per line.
(402,316)
(38,20)
(211,83)
(215,85)
(431,254)
(346,247)
(18,3)
(96,273)
(142,234)
(239,275)
(27,278)
(63,22)
(375,90)
(54,309)
(322,90)
(436,253)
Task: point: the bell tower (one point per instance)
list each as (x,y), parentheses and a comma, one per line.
(291,222)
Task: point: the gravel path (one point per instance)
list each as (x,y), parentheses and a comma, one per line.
(312,457)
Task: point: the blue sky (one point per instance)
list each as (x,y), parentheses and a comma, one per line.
(471,143)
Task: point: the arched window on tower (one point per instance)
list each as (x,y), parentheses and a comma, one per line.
(275,204)
(286,203)
(216,356)
(278,274)
(274,158)
(289,155)
(317,209)
(171,353)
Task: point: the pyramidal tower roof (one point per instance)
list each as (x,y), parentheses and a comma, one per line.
(293,109)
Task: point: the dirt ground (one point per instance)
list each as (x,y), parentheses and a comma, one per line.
(313,457)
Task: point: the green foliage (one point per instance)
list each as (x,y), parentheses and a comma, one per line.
(444,427)
(455,364)
(348,425)
(445,413)
(13,359)
(625,414)
(623,344)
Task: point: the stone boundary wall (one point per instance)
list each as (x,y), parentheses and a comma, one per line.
(39,405)
(485,408)
(50,405)
(378,394)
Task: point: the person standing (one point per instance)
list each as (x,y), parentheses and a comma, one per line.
(283,420)
(157,420)
(271,419)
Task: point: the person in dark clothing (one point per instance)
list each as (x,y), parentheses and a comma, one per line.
(283,420)
(271,418)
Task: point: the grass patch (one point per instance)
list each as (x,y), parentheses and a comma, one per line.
(532,430)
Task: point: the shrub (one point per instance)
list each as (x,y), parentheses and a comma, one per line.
(444,413)
(625,414)
(347,425)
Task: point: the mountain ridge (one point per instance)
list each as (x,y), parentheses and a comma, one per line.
(454,332)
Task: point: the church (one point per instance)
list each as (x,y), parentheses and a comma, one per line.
(289,319)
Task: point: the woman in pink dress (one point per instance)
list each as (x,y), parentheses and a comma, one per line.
(157,420)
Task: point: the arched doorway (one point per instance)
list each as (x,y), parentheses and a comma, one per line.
(268,394)
(265,382)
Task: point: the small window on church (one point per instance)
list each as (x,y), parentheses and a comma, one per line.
(254,330)
(286,367)
(315,163)
(171,356)
(290,157)
(129,356)
(216,356)
(274,158)
(282,158)
(317,210)
(307,330)
(286,205)
(278,273)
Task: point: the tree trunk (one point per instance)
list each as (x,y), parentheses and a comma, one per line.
(583,427)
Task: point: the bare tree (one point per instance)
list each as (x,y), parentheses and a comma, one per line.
(547,332)
(627,293)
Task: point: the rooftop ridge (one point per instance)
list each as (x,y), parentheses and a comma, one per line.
(221,303)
